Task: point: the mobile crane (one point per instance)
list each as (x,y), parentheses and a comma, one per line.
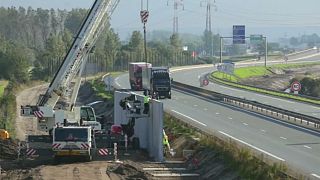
(48,112)
(55,110)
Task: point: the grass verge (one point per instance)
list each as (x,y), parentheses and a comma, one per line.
(256,71)
(263,91)
(247,72)
(240,159)
(100,87)
(3,85)
(8,108)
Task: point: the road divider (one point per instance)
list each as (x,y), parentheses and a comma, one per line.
(296,118)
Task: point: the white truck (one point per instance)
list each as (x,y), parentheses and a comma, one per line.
(156,82)
(72,142)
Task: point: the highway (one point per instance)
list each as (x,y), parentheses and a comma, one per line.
(190,77)
(298,147)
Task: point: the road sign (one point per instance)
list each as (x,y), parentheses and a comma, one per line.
(144,14)
(239,34)
(256,38)
(295,86)
(205,82)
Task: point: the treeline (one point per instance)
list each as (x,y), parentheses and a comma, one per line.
(35,41)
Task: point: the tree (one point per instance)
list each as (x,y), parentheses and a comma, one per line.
(74,19)
(294,41)
(208,42)
(112,46)
(175,41)
(136,41)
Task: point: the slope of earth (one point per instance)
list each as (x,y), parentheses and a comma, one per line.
(279,79)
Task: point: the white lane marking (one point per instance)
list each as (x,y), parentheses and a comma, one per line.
(245,124)
(116,81)
(254,147)
(278,99)
(217,113)
(314,107)
(263,130)
(192,67)
(230,118)
(307,147)
(195,105)
(189,118)
(315,175)
(231,89)
(283,138)
(257,114)
(205,109)
(314,114)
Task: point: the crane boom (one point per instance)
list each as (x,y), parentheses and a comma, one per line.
(71,67)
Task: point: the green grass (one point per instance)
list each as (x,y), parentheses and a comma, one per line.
(256,71)
(253,71)
(3,85)
(100,89)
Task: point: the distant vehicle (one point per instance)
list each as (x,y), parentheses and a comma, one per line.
(135,74)
(72,141)
(157,82)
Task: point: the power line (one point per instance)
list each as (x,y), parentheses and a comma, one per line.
(176,5)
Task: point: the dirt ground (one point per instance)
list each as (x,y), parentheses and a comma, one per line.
(279,80)
(28,125)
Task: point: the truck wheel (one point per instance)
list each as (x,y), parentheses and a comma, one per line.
(169,95)
(135,143)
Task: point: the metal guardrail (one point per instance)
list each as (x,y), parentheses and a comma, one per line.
(271,111)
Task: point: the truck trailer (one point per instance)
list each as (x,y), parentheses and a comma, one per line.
(135,74)
(157,82)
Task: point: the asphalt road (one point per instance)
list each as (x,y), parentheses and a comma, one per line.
(298,147)
(191,77)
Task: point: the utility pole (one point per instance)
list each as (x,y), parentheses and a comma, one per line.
(209,4)
(144,14)
(176,5)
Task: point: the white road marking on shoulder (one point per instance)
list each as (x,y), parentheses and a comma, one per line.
(189,118)
(315,175)
(283,138)
(217,113)
(307,147)
(263,130)
(230,118)
(245,124)
(254,147)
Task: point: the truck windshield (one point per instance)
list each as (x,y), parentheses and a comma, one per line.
(71,134)
(161,75)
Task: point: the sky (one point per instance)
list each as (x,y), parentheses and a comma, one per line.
(274,18)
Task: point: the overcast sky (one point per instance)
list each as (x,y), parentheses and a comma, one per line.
(290,17)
